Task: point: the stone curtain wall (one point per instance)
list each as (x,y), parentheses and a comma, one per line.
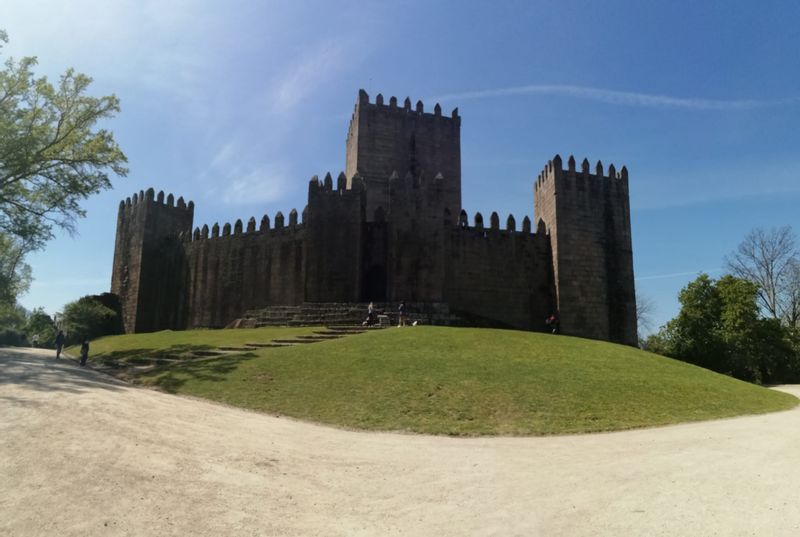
(500,274)
(588,218)
(239,269)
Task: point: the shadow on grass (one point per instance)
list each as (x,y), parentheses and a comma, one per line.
(153,356)
(172,377)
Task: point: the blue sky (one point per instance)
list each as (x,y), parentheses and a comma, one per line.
(236,104)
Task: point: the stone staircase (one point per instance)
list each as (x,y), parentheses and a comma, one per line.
(329,333)
(344,314)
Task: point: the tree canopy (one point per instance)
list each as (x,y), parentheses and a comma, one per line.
(719,327)
(52,157)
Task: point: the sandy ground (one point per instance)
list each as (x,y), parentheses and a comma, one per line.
(82,454)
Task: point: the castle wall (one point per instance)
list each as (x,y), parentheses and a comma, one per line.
(587,216)
(243,269)
(501,275)
(416,237)
(386,138)
(149,265)
(391,229)
(334,241)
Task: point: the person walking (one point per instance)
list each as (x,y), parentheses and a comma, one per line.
(59,343)
(84,351)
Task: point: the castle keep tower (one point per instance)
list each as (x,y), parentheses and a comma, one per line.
(390,228)
(387,138)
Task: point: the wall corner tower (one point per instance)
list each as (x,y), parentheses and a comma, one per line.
(587,216)
(149,272)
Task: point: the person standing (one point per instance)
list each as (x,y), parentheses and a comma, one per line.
(59,343)
(403,314)
(84,351)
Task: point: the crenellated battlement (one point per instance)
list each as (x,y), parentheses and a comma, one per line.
(392,108)
(238,229)
(317,187)
(493,229)
(554,171)
(149,198)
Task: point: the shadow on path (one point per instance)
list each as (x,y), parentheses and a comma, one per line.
(38,370)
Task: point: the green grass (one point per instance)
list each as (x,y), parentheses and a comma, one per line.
(456,381)
(158,347)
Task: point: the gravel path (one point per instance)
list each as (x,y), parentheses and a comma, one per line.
(84,455)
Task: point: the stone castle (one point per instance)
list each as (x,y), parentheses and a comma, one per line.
(391,228)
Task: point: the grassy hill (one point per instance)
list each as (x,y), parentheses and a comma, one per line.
(450,381)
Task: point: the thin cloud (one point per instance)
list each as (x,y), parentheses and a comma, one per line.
(259,185)
(676,274)
(625,98)
(318,65)
(246,180)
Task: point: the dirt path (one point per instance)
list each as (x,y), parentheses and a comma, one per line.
(81,454)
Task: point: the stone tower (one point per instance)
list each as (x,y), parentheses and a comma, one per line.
(386,138)
(587,216)
(149,268)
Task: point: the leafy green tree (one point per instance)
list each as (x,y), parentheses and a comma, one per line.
(694,333)
(88,317)
(41,324)
(15,274)
(719,327)
(12,324)
(52,157)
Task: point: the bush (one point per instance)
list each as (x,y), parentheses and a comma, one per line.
(12,337)
(90,317)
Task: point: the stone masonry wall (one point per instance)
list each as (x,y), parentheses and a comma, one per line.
(387,138)
(242,269)
(334,240)
(417,213)
(505,275)
(149,266)
(587,216)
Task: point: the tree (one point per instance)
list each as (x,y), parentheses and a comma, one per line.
(645,308)
(770,260)
(15,274)
(719,327)
(41,324)
(12,324)
(88,317)
(695,331)
(51,156)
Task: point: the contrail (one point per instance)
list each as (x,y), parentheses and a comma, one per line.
(625,98)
